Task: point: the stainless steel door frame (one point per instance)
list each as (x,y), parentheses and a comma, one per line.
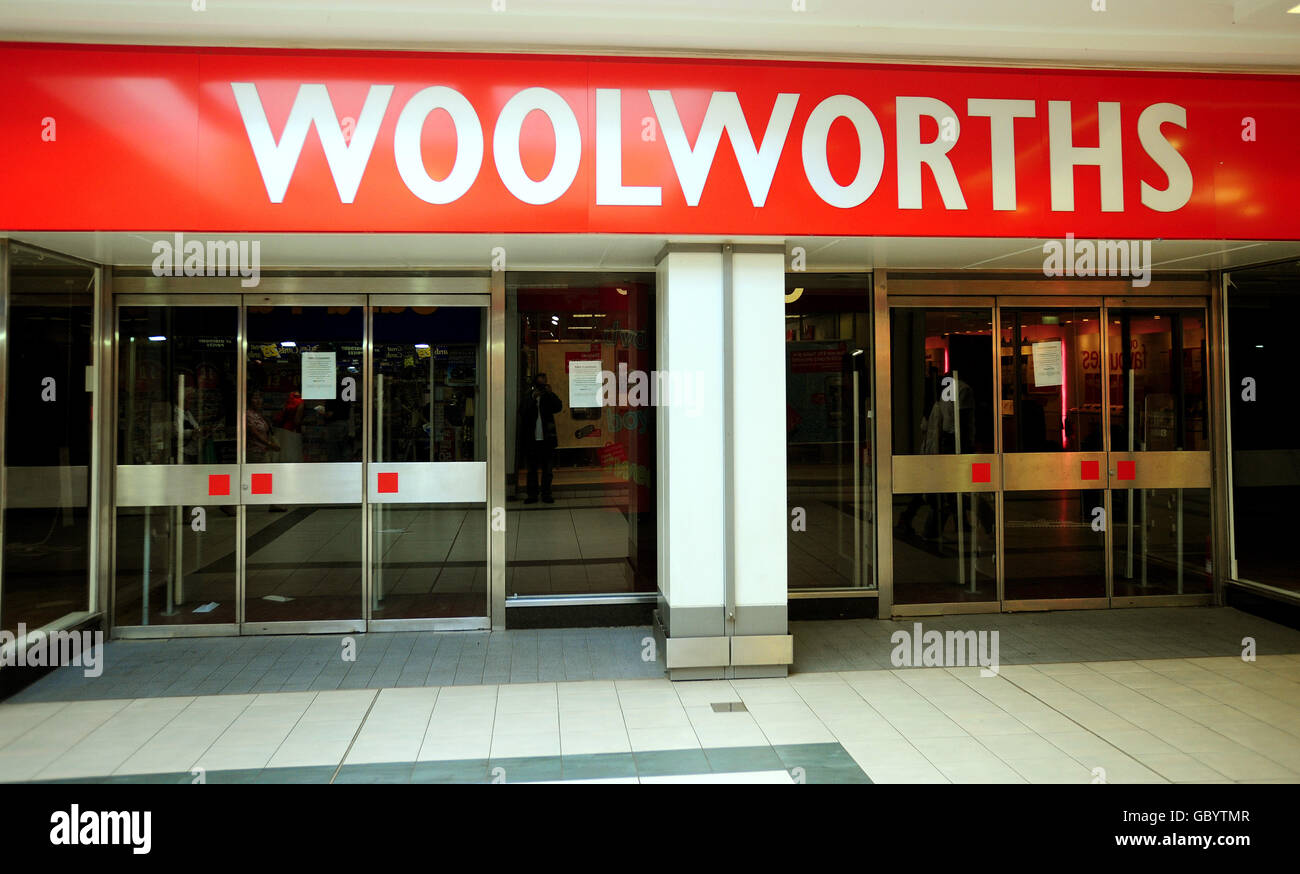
(342,484)
(132,484)
(1161,469)
(910,474)
(1020,468)
(1193,467)
(450,482)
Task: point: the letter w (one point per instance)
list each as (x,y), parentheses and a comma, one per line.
(724,113)
(312,105)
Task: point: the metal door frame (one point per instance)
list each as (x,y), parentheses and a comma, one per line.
(483,303)
(366,292)
(135,631)
(926,291)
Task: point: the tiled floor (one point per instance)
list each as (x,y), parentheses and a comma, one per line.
(1214,719)
(234,665)
(239,665)
(1064,636)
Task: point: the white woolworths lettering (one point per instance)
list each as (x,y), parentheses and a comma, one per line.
(610,190)
(871,151)
(757,166)
(469,145)
(276,161)
(568,145)
(912,153)
(1002,115)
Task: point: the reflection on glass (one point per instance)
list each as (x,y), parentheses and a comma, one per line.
(1054,548)
(177,376)
(304,384)
(429,560)
(46,526)
(305,394)
(304,562)
(942,397)
(1157,383)
(1161,541)
(1051,380)
(169,573)
(945,548)
(1263,310)
(597,534)
(176,406)
(828,429)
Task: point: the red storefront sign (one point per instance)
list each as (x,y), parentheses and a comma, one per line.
(244,140)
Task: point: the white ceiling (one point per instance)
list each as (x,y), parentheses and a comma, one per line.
(1202,34)
(634,252)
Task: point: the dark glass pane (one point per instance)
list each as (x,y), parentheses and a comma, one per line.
(1051,380)
(581,473)
(945,548)
(1263,304)
(828,379)
(942,361)
(46,527)
(1055,545)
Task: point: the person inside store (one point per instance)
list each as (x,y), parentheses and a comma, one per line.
(538,437)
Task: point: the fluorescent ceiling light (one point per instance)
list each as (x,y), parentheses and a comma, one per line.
(157,338)
(288,344)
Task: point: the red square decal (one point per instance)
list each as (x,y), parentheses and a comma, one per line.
(1089,470)
(218,484)
(387,484)
(1126,470)
(261,483)
(981,472)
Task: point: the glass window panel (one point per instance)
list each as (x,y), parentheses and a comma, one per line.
(944,548)
(1051,380)
(828,379)
(1053,548)
(582,513)
(1263,305)
(942,360)
(46,526)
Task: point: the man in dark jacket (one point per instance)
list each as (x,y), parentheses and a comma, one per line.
(538,437)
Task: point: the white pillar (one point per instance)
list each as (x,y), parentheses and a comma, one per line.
(722,513)
(756,450)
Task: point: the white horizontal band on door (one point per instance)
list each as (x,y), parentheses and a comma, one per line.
(307,483)
(428,482)
(174,485)
(32,488)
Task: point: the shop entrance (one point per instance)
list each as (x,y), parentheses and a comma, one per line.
(1049,452)
(300,463)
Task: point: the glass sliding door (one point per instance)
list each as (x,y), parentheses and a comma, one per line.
(301,476)
(1053,446)
(1093,487)
(177,495)
(945,470)
(1160,432)
(427,471)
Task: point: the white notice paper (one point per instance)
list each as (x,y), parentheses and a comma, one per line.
(1047,363)
(318,376)
(584,384)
